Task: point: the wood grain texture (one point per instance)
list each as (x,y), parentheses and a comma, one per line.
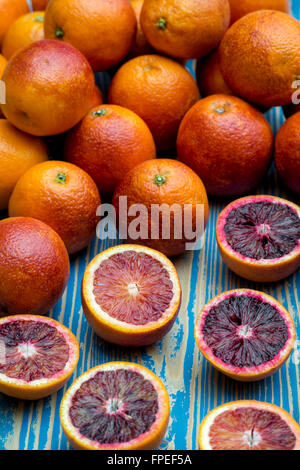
(194,386)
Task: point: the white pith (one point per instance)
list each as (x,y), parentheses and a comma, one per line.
(27,350)
(253,438)
(132,288)
(244,331)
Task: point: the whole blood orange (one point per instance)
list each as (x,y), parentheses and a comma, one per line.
(185,29)
(131,295)
(49,88)
(245,334)
(25,30)
(63,196)
(262,69)
(259,237)
(249,425)
(10,11)
(241,8)
(159,90)
(118,405)
(102,30)
(227,142)
(209,76)
(19,152)
(170,192)
(40,356)
(34,266)
(287,153)
(107,143)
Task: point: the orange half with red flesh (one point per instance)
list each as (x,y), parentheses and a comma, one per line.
(37,356)
(259,237)
(118,405)
(245,334)
(131,295)
(249,425)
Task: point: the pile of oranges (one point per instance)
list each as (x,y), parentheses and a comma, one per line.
(158,137)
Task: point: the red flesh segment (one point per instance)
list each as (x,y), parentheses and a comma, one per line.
(33,350)
(133,287)
(244,331)
(250,429)
(263,230)
(114,406)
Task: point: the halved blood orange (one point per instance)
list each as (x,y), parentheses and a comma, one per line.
(249,425)
(259,237)
(131,295)
(118,405)
(37,356)
(245,334)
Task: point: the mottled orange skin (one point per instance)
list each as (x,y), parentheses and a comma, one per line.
(10,11)
(260,57)
(109,145)
(159,90)
(56,143)
(209,76)
(181,186)
(211,81)
(191,28)
(239,8)
(69,206)
(104,31)
(141,46)
(19,152)
(49,88)
(97,99)
(25,30)
(34,267)
(3,63)
(40,4)
(287,153)
(227,142)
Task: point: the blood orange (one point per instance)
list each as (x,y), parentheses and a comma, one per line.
(37,356)
(249,425)
(131,295)
(245,334)
(259,237)
(118,405)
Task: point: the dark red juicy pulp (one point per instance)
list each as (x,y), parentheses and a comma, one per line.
(281,239)
(274,432)
(221,325)
(148,274)
(139,406)
(52,350)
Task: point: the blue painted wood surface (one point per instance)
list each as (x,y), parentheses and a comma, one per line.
(194,386)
